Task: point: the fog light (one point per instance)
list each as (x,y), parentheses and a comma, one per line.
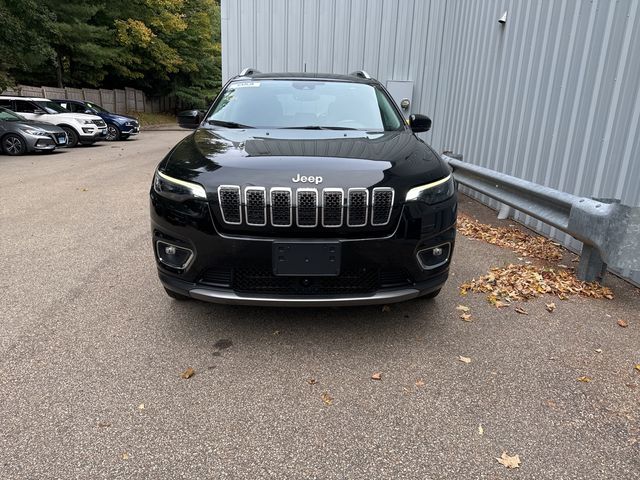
(173,256)
(433,257)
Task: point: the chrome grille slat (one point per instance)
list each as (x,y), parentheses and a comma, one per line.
(230,205)
(332,207)
(357,207)
(312,208)
(307,207)
(255,206)
(381,205)
(281,207)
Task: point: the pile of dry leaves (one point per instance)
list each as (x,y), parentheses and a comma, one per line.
(522,282)
(527,245)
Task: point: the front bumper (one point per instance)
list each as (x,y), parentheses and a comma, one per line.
(238,269)
(45,143)
(130,130)
(229,297)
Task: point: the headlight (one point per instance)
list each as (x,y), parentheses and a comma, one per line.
(176,189)
(433,192)
(87,122)
(32,131)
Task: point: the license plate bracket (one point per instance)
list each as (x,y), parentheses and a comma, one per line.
(306,259)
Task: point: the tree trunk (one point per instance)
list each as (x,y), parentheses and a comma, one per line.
(59,68)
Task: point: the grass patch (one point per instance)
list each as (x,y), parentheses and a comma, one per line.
(153,118)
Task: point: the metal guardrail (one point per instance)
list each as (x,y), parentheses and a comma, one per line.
(609,231)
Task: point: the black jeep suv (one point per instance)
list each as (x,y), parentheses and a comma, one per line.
(303,189)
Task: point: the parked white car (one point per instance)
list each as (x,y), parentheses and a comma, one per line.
(80,127)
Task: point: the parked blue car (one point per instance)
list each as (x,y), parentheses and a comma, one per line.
(119,127)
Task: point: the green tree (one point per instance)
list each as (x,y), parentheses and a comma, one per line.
(83,48)
(24,43)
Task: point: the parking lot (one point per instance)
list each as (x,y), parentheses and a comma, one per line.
(92,351)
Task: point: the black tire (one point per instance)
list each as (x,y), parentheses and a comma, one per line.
(176,295)
(14,145)
(72,137)
(113,132)
(431,295)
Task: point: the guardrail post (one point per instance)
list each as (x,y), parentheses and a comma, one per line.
(591,267)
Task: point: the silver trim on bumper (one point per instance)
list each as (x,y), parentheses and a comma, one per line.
(231,298)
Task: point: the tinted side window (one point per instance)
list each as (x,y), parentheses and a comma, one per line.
(6,103)
(22,106)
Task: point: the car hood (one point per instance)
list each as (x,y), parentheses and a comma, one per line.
(274,157)
(76,116)
(47,127)
(117,117)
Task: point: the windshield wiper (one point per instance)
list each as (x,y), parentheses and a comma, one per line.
(318,127)
(222,123)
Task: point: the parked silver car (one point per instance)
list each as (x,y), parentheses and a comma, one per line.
(19,135)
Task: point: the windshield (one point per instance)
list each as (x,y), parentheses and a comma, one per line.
(304,104)
(50,107)
(95,107)
(9,116)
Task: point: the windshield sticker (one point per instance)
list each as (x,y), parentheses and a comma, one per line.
(244,85)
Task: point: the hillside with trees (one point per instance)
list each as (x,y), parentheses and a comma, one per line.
(159,46)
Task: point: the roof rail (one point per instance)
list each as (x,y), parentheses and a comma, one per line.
(248,71)
(361,74)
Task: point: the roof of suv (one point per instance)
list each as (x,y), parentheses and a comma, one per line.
(308,76)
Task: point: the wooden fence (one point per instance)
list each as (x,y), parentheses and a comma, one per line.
(117,100)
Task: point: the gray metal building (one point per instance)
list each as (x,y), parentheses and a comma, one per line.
(552,95)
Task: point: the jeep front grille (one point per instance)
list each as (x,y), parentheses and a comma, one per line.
(229,198)
(305,207)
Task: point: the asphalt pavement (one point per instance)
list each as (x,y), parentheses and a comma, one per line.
(92,351)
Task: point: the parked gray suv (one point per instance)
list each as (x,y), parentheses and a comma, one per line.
(19,135)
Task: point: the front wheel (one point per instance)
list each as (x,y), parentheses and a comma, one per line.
(14,145)
(113,132)
(72,137)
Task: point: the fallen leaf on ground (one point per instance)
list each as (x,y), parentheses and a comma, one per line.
(104,424)
(480,430)
(523,282)
(386,308)
(509,461)
(466,317)
(327,399)
(188,373)
(420,383)
(550,307)
(598,350)
(521,311)
(462,308)
(141,406)
(312,381)
(521,242)
(464,359)
(376,376)
(125,456)
(584,379)
(637,367)
(623,323)
(276,332)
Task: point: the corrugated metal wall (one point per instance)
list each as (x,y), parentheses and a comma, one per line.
(552,96)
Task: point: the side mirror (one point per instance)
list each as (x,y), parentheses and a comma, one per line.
(39,111)
(419,123)
(89,111)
